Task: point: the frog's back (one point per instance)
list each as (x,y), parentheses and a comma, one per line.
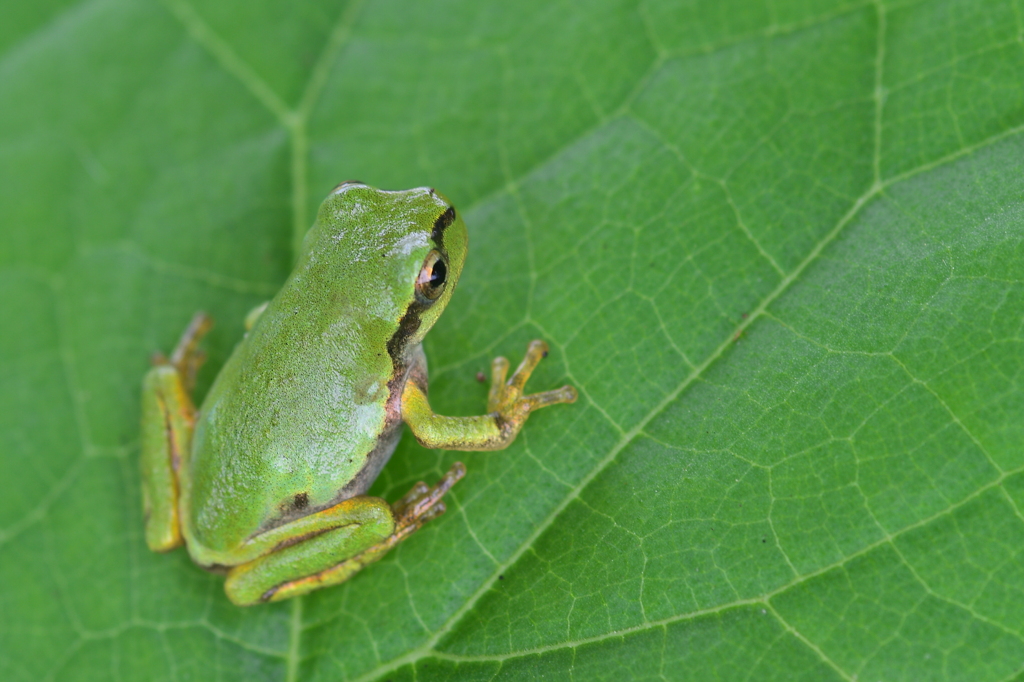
(305,412)
(289,427)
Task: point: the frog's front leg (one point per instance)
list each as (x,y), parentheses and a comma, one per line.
(508,409)
(330,546)
(168,419)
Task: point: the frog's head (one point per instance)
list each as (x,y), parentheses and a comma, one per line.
(406,248)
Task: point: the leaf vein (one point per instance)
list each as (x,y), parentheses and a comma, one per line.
(228,59)
(427,648)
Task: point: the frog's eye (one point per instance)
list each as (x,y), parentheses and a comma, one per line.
(433,276)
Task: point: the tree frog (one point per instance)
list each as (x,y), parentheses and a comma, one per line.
(267,480)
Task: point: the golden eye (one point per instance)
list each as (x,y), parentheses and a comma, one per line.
(433,276)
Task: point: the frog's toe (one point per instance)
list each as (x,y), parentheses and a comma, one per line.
(565,394)
(187,357)
(418,491)
(535,352)
(414,524)
(421,509)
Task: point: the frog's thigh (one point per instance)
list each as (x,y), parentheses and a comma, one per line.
(318,557)
(167,425)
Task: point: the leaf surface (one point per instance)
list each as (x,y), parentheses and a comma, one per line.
(776,246)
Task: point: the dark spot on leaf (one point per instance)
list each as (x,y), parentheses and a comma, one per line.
(301,500)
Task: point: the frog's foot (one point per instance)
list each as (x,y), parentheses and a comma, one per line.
(187,357)
(422,503)
(506,398)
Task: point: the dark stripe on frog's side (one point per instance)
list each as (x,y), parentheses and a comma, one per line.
(443,222)
(410,321)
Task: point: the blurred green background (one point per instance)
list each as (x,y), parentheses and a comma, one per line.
(777,246)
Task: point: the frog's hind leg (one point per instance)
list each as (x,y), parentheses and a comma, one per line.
(168,420)
(188,357)
(344,539)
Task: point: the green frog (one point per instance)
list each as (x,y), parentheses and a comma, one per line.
(267,480)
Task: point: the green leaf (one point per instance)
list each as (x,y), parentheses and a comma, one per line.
(777,246)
